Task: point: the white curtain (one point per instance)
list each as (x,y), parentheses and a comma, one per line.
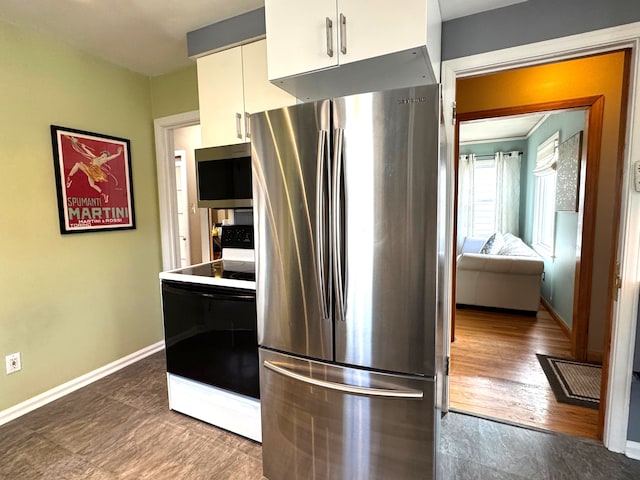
(507,195)
(466,166)
(508,192)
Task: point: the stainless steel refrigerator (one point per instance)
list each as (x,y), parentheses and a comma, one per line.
(346,212)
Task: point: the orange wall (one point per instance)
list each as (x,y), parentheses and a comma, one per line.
(584,77)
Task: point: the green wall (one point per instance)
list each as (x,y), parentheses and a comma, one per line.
(70,303)
(175,92)
(558,283)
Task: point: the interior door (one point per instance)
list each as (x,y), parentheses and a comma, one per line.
(290,195)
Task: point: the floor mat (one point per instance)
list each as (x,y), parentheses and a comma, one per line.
(573,382)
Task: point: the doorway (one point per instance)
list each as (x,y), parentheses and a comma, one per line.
(494,368)
(179,132)
(503,93)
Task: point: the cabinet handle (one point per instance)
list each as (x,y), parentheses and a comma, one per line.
(239,126)
(247,124)
(329,30)
(343,34)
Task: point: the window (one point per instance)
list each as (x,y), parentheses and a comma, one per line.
(484,198)
(545,196)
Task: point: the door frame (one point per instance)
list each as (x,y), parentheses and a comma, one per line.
(625,308)
(166,171)
(181,158)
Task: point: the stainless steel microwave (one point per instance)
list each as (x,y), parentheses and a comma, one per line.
(223,176)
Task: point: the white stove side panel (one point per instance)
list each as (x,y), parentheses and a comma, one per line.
(236,413)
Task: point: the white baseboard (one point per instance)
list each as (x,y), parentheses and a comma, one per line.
(633,450)
(77,383)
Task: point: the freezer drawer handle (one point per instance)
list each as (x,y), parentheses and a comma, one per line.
(370,392)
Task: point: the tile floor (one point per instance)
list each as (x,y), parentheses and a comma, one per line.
(120,428)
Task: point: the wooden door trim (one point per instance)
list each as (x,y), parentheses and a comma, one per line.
(584,265)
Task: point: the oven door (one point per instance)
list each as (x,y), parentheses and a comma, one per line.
(211,335)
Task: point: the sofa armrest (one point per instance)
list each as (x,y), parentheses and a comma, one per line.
(500,264)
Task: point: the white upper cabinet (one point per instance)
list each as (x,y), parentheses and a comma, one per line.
(259,93)
(232,84)
(220,94)
(300,38)
(311,37)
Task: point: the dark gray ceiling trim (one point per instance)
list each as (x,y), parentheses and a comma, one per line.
(227,33)
(532,21)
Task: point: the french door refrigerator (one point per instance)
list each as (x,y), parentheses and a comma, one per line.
(346,213)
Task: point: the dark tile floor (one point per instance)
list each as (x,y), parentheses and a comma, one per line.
(120,428)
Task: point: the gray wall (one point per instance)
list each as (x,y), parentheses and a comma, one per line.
(532,21)
(633,430)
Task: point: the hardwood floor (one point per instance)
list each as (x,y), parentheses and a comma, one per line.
(495,372)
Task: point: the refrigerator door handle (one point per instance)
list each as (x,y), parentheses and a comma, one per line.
(321,220)
(352,389)
(336,216)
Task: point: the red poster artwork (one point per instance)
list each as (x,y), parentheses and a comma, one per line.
(94,181)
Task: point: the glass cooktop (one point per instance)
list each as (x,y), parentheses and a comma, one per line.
(233,269)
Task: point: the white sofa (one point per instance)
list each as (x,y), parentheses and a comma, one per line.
(507,276)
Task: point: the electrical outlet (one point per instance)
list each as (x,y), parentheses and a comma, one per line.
(13,363)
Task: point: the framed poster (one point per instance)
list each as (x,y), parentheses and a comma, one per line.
(93,180)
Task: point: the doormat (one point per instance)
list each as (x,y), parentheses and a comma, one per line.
(573,382)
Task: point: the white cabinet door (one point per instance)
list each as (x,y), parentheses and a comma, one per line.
(298,37)
(220,94)
(231,84)
(259,93)
(370,28)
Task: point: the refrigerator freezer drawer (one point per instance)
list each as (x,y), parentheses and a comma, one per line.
(323,421)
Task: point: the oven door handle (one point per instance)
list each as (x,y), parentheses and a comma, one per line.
(199,291)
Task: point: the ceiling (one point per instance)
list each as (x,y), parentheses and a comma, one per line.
(149,36)
(502,128)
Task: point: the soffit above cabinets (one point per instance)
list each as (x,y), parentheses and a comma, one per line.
(451,9)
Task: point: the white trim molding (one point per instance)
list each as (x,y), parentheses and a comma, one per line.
(625,309)
(633,450)
(164,127)
(77,383)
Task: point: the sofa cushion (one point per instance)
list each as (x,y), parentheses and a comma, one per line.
(493,244)
(501,264)
(514,246)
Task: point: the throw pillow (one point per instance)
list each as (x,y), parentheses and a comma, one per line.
(516,247)
(493,244)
